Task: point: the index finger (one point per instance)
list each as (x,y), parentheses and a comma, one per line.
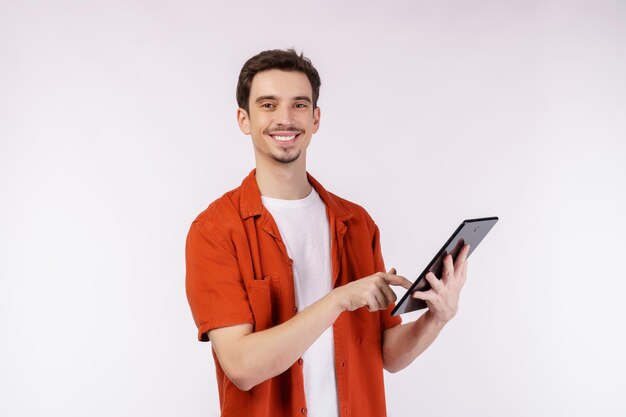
(462,256)
(392,279)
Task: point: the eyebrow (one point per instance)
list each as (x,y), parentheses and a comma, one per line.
(303,98)
(296,98)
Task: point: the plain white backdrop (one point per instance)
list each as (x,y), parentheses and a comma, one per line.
(117,127)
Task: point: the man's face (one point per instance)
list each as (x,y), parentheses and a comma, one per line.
(281,119)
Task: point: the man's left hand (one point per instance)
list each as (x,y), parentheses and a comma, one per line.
(442,298)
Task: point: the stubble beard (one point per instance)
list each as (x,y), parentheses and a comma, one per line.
(286,159)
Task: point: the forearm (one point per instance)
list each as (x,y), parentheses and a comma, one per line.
(403,343)
(271,352)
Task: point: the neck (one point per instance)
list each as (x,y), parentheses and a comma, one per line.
(283,181)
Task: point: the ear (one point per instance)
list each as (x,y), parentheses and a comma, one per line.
(243,120)
(316,119)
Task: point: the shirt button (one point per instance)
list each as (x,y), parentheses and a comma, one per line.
(295,309)
(290,261)
(300,361)
(343,364)
(303,411)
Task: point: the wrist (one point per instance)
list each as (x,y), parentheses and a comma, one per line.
(334,299)
(433,319)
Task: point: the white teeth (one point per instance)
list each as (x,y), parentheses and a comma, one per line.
(284,138)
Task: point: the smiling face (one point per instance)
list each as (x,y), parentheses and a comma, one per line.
(281,119)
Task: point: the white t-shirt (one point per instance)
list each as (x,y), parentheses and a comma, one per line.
(303,227)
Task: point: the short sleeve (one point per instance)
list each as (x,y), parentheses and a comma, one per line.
(387,321)
(215,287)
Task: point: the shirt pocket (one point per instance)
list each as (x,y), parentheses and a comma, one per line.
(264,295)
(364,327)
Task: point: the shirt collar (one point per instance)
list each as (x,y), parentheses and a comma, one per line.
(251,204)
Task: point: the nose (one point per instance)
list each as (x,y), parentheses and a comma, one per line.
(283,116)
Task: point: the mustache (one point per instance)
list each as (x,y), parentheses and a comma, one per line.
(293,129)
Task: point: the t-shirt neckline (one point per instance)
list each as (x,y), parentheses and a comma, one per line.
(272,202)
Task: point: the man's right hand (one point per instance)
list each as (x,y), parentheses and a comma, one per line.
(373,292)
(249,358)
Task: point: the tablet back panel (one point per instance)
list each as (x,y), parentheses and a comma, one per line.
(471,231)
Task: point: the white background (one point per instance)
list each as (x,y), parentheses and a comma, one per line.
(117,127)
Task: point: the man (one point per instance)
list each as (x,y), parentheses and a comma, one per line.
(287,280)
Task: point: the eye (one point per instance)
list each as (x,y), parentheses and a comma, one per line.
(301,106)
(267,105)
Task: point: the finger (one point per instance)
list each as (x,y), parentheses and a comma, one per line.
(461,257)
(464,274)
(359,303)
(392,271)
(381,299)
(448,268)
(390,296)
(435,284)
(424,295)
(374,301)
(397,280)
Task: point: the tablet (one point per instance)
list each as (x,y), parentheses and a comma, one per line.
(472,232)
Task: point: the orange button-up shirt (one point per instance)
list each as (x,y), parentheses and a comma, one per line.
(238,271)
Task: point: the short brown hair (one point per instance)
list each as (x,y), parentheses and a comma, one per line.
(287,60)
